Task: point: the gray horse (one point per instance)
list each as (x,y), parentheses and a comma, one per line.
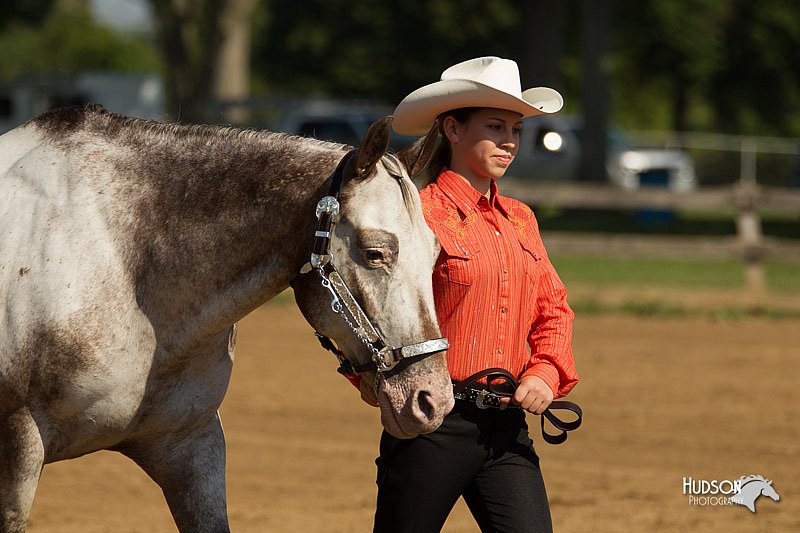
(128,251)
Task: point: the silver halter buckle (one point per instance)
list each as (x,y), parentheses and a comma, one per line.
(328,204)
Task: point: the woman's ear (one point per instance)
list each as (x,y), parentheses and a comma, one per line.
(451,129)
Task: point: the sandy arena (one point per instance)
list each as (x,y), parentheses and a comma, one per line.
(663,399)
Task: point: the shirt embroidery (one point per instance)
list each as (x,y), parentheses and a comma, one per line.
(450,219)
(498,299)
(519,223)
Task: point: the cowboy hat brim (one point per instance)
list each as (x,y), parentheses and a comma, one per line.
(415,114)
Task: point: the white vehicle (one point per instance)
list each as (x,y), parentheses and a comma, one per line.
(550,150)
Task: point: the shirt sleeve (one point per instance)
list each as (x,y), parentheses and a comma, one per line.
(550,335)
(355,379)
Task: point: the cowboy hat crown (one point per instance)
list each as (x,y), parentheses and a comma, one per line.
(480,82)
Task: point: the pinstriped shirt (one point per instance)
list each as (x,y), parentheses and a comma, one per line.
(498,298)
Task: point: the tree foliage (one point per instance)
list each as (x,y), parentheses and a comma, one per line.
(726,65)
(194,37)
(375,48)
(28,12)
(65,39)
(714,65)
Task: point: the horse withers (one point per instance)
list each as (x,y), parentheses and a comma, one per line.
(128,251)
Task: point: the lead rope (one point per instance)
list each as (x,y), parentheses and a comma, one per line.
(488,395)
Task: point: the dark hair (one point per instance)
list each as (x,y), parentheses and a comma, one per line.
(442,154)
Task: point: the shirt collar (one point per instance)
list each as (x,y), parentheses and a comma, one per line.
(463,195)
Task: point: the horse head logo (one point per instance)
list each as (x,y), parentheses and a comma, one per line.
(751,488)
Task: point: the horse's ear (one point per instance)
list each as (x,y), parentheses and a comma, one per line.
(373,146)
(416,156)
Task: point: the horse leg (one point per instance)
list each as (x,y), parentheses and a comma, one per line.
(21,461)
(190,469)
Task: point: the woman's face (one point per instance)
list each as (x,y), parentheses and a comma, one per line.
(485,145)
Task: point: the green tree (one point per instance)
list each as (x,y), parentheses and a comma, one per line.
(723,65)
(756,87)
(595,101)
(206,47)
(376,48)
(28,12)
(66,39)
(664,56)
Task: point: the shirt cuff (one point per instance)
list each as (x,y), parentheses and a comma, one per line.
(355,379)
(547,372)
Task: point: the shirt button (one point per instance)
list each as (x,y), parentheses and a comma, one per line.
(499,350)
(503,310)
(466,252)
(497,233)
(505,271)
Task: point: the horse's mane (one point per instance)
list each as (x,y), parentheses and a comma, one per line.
(407,187)
(744,480)
(65,120)
(212,140)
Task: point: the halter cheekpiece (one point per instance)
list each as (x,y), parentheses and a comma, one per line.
(384,357)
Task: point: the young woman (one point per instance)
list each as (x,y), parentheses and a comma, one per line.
(499,302)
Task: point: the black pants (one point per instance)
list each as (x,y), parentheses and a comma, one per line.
(484,455)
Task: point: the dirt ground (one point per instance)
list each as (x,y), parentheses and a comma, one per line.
(663,399)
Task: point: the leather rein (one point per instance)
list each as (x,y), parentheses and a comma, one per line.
(490,398)
(384,357)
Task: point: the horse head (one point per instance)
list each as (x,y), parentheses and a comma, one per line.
(769,491)
(384,253)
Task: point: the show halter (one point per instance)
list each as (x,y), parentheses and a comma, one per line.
(384,357)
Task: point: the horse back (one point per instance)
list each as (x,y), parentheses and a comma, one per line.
(66,301)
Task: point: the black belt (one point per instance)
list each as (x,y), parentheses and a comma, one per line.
(489,397)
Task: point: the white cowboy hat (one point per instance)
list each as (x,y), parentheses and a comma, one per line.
(479,82)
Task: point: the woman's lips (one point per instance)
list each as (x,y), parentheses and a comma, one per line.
(504,160)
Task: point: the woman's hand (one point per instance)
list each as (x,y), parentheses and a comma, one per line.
(368,392)
(532,395)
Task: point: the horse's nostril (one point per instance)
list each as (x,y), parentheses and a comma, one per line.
(425,404)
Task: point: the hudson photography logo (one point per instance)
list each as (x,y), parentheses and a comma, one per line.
(715,492)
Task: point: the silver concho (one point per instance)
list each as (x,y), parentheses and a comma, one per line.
(328,204)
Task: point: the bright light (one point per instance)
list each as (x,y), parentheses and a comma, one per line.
(552,141)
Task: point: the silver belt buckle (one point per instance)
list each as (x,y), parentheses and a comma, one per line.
(479,400)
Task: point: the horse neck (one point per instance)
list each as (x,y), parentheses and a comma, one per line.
(228,229)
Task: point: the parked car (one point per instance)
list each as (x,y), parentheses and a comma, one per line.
(550,149)
(337,123)
(138,95)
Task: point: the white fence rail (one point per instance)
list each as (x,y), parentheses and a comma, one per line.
(747,199)
(747,146)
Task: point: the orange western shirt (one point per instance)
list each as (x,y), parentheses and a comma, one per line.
(498,298)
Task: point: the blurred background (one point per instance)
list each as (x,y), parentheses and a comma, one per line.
(667,191)
(680,136)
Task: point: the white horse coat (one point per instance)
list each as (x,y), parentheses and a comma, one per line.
(128,250)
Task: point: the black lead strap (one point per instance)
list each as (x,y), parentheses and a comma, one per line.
(322,235)
(491,395)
